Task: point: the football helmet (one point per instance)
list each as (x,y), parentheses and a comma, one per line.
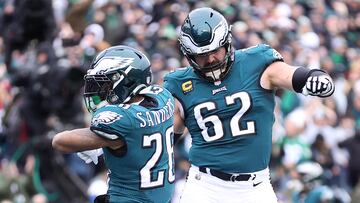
(115,76)
(203,31)
(309,171)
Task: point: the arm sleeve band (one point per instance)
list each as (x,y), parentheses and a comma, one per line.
(301,75)
(299,78)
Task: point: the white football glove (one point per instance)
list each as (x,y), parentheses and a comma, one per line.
(90,155)
(319,85)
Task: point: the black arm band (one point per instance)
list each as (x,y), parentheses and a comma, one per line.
(177,137)
(299,78)
(301,75)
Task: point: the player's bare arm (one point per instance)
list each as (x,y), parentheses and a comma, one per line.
(278,74)
(179,125)
(82,139)
(315,82)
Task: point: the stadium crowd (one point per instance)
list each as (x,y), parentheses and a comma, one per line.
(47,46)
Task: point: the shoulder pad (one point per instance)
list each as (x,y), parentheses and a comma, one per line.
(107,120)
(256,48)
(178,74)
(265,50)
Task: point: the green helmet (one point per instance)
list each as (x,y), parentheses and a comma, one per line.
(115,76)
(203,31)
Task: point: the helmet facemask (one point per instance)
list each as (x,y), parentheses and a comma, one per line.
(215,71)
(116,88)
(97,89)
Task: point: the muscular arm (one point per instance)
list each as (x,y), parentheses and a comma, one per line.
(80,140)
(315,82)
(179,125)
(278,75)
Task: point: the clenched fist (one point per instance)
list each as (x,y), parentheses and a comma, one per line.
(320,85)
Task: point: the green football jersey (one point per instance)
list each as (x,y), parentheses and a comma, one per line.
(145,172)
(230,122)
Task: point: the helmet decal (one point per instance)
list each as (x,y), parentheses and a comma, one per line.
(218,38)
(105,117)
(122,77)
(203,31)
(107,64)
(115,76)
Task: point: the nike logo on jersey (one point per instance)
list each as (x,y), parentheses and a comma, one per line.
(215,91)
(256,184)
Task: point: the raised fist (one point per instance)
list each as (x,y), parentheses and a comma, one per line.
(319,85)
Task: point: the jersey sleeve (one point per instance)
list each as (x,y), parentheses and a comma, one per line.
(169,83)
(111,122)
(270,55)
(258,57)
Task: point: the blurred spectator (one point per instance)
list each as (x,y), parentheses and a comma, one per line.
(238,31)
(92,43)
(157,62)
(322,154)
(295,149)
(16,186)
(77,14)
(31,19)
(98,186)
(353,146)
(311,187)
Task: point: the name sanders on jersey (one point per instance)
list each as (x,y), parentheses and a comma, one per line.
(152,118)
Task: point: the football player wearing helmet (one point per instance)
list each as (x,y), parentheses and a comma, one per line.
(132,121)
(226,100)
(309,186)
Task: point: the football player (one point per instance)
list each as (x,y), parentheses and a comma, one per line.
(132,121)
(309,185)
(226,100)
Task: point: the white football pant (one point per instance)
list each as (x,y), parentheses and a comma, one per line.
(204,188)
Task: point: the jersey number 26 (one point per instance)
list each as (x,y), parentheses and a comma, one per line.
(148,169)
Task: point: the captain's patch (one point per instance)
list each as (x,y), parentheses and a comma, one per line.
(105,117)
(187,86)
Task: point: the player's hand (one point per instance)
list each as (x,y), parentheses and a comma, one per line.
(319,85)
(90,155)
